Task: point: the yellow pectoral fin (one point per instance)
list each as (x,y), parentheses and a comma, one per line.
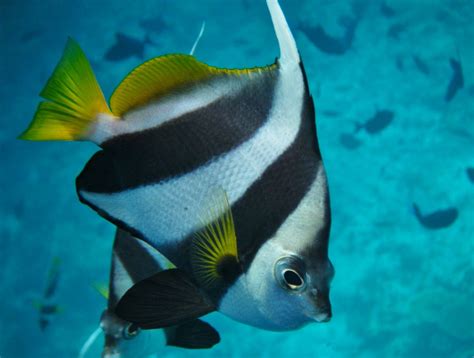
(214,255)
(74,100)
(165,74)
(102,289)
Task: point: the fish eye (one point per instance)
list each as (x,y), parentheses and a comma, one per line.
(293,279)
(290,274)
(130,331)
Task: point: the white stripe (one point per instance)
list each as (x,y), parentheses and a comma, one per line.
(288,51)
(170,210)
(121,280)
(163,110)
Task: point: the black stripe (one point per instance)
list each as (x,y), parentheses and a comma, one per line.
(136,260)
(273,197)
(266,204)
(183,144)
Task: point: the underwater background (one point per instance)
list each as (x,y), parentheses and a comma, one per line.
(395,126)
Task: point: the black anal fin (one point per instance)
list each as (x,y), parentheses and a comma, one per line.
(196,334)
(166,299)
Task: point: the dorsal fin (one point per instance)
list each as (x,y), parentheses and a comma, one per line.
(164,74)
(288,50)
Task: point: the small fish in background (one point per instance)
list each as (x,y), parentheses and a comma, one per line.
(46,306)
(30,35)
(349,141)
(133,261)
(126,47)
(386,10)
(395,30)
(216,168)
(331,44)
(456,82)
(437,219)
(400,63)
(421,65)
(155,24)
(377,123)
(470,174)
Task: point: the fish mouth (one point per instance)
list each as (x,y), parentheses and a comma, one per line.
(322,317)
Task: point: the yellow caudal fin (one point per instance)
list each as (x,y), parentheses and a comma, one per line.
(74,100)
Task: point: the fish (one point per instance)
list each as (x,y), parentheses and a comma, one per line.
(31,35)
(387,10)
(456,82)
(328,43)
(395,30)
(126,47)
(377,123)
(132,261)
(218,169)
(46,306)
(421,65)
(437,219)
(349,141)
(155,24)
(470,174)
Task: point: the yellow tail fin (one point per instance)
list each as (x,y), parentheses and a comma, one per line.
(74,100)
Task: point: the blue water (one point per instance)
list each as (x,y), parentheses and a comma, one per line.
(400,290)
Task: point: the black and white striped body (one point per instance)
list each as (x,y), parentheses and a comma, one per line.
(253,136)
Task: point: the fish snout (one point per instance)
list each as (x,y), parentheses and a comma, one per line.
(322,306)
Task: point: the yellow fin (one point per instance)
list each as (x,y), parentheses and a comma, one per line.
(74,100)
(164,74)
(102,289)
(214,255)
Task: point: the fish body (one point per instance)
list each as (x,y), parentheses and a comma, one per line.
(328,43)
(126,47)
(133,261)
(47,306)
(220,171)
(437,219)
(470,174)
(421,65)
(378,122)
(456,82)
(154,24)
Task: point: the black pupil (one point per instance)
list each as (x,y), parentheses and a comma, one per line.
(132,330)
(292,278)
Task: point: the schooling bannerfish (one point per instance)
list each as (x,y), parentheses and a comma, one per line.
(377,123)
(133,261)
(218,169)
(126,47)
(456,82)
(438,219)
(47,306)
(328,43)
(470,174)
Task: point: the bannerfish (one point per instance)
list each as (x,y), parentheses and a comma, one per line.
(155,24)
(437,219)
(387,10)
(218,169)
(126,47)
(46,306)
(132,261)
(456,82)
(421,65)
(331,44)
(377,123)
(349,141)
(470,174)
